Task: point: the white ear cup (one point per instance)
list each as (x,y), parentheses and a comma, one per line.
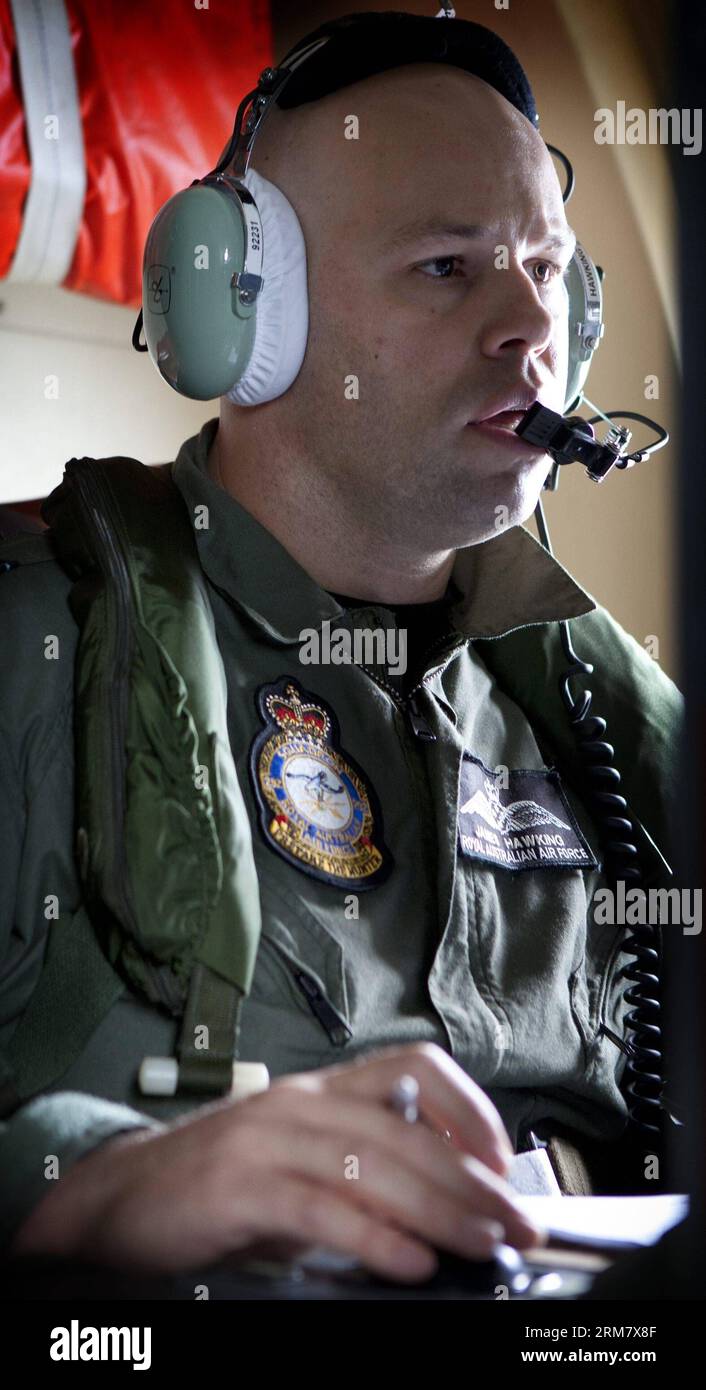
(282,319)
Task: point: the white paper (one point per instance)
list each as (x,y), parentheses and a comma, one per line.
(532,1174)
(608,1222)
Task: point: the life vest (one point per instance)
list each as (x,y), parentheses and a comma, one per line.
(163,838)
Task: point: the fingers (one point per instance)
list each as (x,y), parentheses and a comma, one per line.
(401,1173)
(448,1098)
(323,1157)
(320,1216)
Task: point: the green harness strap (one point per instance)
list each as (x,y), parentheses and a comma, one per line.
(213,999)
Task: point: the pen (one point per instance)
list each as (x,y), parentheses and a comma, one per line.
(403,1099)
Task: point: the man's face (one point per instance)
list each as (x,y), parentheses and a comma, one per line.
(440,328)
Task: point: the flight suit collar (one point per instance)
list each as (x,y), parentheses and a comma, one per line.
(505,583)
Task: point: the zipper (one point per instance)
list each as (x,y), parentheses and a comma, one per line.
(330,1020)
(91,491)
(626,1047)
(410,704)
(104,525)
(338,1031)
(418,724)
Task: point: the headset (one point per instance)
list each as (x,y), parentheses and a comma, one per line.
(226,332)
(236,332)
(241,329)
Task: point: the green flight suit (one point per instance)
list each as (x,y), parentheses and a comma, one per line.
(503,967)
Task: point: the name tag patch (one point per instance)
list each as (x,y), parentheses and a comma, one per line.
(526,825)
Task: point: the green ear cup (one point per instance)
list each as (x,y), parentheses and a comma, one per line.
(199,333)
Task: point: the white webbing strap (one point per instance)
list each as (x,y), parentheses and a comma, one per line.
(54,204)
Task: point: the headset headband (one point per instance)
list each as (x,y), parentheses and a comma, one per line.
(360,45)
(207,354)
(271,83)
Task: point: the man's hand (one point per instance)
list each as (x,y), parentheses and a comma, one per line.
(271,1172)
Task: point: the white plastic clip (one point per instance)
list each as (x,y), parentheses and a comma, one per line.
(159,1076)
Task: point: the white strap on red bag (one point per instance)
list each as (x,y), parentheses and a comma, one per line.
(54,205)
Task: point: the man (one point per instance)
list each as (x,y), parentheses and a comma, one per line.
(392,508)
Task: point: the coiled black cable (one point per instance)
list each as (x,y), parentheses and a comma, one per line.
(643,1083)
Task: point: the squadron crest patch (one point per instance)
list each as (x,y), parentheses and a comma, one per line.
(317,808)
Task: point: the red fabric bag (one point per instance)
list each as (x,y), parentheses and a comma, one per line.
(157,87)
